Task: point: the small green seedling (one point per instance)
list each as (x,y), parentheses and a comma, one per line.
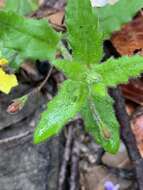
(86,89)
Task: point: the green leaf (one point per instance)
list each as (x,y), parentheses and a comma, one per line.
(31,38)
(112,17)
(118,71)
(21,7)
(101,123)
(60,110)
(71,69)
(83,32)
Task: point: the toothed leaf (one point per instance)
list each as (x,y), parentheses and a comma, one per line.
(101,123)
(60,110)
(83,32)
(118,71)
(31,38)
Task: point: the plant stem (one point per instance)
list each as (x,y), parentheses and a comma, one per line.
(127,135)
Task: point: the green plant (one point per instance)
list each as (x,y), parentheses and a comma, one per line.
(86,89)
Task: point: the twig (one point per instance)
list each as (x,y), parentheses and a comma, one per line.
(100,153)
(19,103)
(74,178)
(127,136)
(46,79)
(16,137)
(66,158)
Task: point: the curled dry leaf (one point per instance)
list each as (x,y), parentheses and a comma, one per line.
(129,40)
(57,18)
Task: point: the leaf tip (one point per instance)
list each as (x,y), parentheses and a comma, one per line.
(115,147)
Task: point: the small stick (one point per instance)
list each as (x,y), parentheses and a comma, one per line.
(100,153)
(66,158)
(45,80)
(74,178)
(19,103)
(127,136)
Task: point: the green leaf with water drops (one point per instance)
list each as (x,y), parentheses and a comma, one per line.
(100,121)
(30,38)
(60,110)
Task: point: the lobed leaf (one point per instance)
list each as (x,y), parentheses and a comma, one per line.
(31,38)
(83,32)
(118,71)
(60,110)
(112,17)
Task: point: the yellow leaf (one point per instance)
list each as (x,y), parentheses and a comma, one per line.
(7,81)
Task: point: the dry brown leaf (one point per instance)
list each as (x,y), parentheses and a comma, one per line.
(57,18)
(129,39)
(130,107)
(134,91)
(54,16)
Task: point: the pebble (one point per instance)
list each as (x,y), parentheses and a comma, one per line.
(119,160)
